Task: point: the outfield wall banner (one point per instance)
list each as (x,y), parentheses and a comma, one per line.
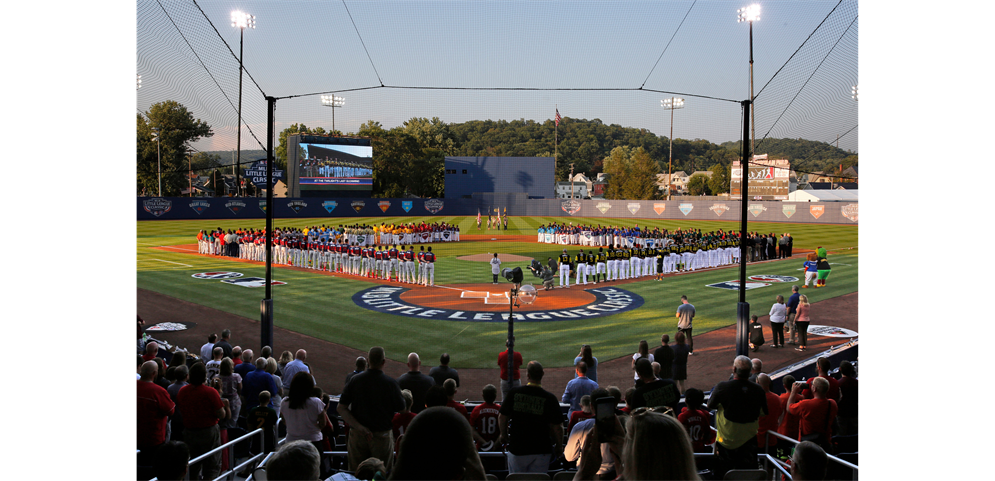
(708,208)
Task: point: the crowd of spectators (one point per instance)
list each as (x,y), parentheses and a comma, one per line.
(414,427)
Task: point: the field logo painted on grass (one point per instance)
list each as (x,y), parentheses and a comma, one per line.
(235,206)
(570,206)
(434,205)
(686,208)
(252,282)
(604,206)
(407,205)
(384,205)
(830,331)
(297,205)
(387,300)
(217,275)
(157,206)
(719,209)
(788,210)
(734,285)
(199,206)
(659,208)
(634,207)
(850,212)
(772,278)
(329,205)
(817,210)
(171,326)
(757,209)
(357,205)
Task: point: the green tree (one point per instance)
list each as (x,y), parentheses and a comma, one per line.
(698,185)
(718,183)
(177,129)
(617,166)
(640,181)
(201,163)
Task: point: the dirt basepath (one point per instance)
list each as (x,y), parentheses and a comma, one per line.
(330,362)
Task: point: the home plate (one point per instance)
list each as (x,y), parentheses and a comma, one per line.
(475,295)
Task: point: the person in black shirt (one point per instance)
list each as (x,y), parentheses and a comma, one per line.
(416,382)
(665,356)
(368,404)
(442,372)
(535,418)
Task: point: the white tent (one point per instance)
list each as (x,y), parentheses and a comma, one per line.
(838,195)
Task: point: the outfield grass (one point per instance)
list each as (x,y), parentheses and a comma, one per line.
(320,306)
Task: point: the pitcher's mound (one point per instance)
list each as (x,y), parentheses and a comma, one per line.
(487,257)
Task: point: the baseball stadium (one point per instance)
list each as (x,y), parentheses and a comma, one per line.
(381,250)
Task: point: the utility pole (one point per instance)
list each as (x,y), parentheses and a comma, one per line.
(571,180)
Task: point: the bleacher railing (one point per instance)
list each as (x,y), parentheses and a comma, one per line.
(230,447)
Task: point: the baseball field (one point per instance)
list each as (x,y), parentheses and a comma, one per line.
(325,306)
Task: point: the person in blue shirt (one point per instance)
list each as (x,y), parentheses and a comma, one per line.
(578,387)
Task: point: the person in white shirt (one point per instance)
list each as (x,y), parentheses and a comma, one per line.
(207,349)
(495,267)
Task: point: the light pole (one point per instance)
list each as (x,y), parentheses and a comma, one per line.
(158,154)
(853,92)
(333,102)
(139,82)
(240,20)
(671,104)
(750,14)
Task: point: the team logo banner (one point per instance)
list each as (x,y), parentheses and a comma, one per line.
(633,207)
(329,205)
(361,239)
(297,205)
(235,206)
(446,234)
(252,282)
(384,205)
(604,206)
(433,205)
(407,205)
(262,205)
(772,278)
(549,238)
(570,206)
(199,206)
(817,210)
(357,205)
(659,208)
(788,210)
(757,209)
(217,275)
(850,212)
(734,285)
(719,209)
(157,206)
(686,208)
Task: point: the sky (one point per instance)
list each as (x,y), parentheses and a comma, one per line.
(690,49)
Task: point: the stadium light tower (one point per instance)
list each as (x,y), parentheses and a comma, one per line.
(750,14)
(853,92)
(139,82)
(242,21)
(333,102)
(158,154)
(671,104)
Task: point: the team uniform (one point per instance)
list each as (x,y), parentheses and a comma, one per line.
(429,262)
(564,269)
(601,267)
(581,268)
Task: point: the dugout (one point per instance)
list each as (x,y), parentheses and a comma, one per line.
(532,176)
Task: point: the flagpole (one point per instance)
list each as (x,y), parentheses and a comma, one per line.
(556,142)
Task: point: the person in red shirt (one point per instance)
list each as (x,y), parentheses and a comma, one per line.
(769,421)
(484,419)
(788,423)
(507,384)
(697,421)
(816,415)
(450,386)
(403,418)
(201,408)
(151,350)
(154,409)
(586,412)
(823,367)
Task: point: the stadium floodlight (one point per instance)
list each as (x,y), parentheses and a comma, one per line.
(139,82)
(333,102)
(158,153)
(241,21)
(748,14)
(853,92)
(671,104)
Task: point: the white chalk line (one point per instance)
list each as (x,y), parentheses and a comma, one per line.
(171,262)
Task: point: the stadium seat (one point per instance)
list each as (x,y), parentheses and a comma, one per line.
(491,477)
(746,474)
(564,475)
(527,477)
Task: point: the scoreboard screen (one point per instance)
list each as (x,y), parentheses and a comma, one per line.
(768,179)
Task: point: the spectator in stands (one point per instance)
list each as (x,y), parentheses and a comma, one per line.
(416,382)
(657,447)
(438,445)
(578,434)
(643,352)
(256,381)
(402,418)
(768,422)
(578,387)
(201,407)
(171,461)
(788,423)
(656,369)
(266,352)
(822,367)
(214,365)
(589,359)
(304,413)
(154,409)
(756,369)
(615,392)
(507,384)
(537,417)
(816,415)
(295,460)
(681,353)
(138,370)
(442,372)
(848,399)
(276,396)
(180,376)
(808,462)
(484,419)
(652,392)
(740,403)
(246,366)
(367,405)
(261,416)
(231,389)
(665,356)
(360,367)
(450,386)
(371,468)
(629,393)
(160,378)
(236,355)
(294,367)
(435,396)
(225,343)
(697,421)
(223,421)
(178,359)
(585,412)
(151,350)
(285,358)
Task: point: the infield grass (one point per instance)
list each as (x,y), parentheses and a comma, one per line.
(321,306)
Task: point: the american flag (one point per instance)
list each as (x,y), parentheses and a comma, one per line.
(558,117)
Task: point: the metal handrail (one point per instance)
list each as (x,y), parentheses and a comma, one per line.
(230,446)
(832,458)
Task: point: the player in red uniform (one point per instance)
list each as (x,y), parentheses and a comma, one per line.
(484,419)
(393,265)
(429,261)
(695,419)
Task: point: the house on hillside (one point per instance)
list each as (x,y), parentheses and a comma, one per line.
(679,184)
(563,190)
(582,179)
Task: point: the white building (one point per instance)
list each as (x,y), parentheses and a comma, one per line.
(579,190)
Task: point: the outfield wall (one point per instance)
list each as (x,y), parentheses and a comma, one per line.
(190,208)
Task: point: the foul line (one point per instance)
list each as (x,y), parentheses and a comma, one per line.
(177,248)
(453,288)
(171,262)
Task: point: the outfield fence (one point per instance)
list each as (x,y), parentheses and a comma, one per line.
(191,208)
